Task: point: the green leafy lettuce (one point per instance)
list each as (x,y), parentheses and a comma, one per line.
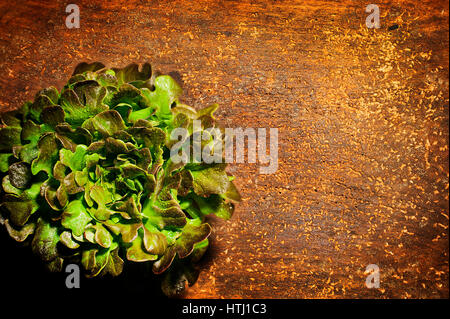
(87,177)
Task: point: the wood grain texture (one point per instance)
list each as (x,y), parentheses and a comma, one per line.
(362,116)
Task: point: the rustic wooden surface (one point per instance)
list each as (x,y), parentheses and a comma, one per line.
(362,119)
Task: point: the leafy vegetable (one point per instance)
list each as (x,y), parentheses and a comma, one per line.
(86,176)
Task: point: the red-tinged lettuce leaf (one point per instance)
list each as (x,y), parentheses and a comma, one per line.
(72,136)
(163,218)
(115,146)
(137,252)
(102,197)
(89,234)
(52,115)
(141,114)
(50,92)
(114,266)
(44,98)
(200,249)
(67,239)
(76,161)
(22,204)
(214,204)
(165,261)
(102,236)
(210,180)
(75,217)
(45,239)
(59,170)
(19,210)
(81,177)
(166,92)
(128,229)
(11,118)
(144,158)
(55,198)
(9,188)
(155,242)
(20,175)
(22,233)
(207,111)
(128,99)
(5,161)
(131,206)
(135,75)
(48,155)
(9,136)
(232,193)
(88,67)
(69,186)
(31,134)
(106,123)
(187,110)
(193,232)
(82,102)
(94,260)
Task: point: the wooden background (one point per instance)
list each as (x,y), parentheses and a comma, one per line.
(362,116)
